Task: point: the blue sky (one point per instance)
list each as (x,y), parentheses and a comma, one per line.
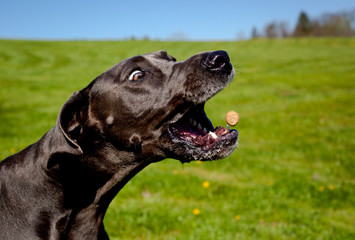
(194,20)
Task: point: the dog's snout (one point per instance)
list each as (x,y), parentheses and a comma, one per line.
(218,60)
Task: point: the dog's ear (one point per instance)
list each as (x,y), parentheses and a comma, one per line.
(163,54)
(70,120)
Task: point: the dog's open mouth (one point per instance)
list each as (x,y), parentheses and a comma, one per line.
(196,132)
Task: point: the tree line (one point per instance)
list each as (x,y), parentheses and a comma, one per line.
(330,24)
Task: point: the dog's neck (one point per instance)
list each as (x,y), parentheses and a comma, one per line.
(78,187)
(94,213)
(91,180)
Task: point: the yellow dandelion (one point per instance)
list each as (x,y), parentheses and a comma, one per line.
(196,211)
(175,172)
(331,187)
(321,188)
(199,162)
(237,217)
(12,150)
(206,184)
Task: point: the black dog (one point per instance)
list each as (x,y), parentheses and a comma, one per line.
(142,110)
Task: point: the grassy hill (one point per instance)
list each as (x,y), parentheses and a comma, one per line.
(292,176)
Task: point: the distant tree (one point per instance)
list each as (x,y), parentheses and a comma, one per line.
(146,38)
(178,36)
(254,33)
(335,25)
(351,16)
(284,29)
(241,36)
(271,30)
(317,28)
(304,26)
(276,29)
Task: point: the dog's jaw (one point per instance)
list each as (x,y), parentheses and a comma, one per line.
(192,134)
(194,137)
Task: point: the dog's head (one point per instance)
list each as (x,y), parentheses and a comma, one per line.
(153,106)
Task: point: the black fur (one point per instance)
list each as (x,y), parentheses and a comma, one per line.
(61,186)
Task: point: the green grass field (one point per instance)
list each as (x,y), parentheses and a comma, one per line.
(292,176)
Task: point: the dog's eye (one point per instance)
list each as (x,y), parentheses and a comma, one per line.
(135,75)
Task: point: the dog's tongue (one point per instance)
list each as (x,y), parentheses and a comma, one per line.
(219,131)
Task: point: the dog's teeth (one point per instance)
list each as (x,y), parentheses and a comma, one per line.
(205,129)
(213,135)
(191,121)
(199,126)
(109,120)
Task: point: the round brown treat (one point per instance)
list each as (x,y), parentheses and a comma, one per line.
(232,118)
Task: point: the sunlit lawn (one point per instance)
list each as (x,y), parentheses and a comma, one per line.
(292,176)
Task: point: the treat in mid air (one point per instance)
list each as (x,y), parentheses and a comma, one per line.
(232,118)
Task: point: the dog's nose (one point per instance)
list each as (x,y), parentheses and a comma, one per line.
(218,61)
